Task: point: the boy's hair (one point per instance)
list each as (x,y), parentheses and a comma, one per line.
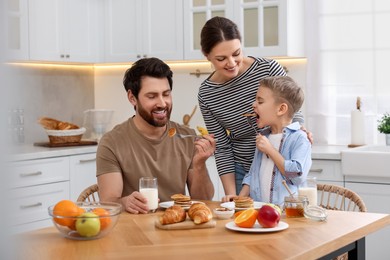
(285,89)
(152,67)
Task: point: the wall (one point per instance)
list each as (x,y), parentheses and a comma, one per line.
(61,92)
(110,93)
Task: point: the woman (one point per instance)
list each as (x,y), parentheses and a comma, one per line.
(227,94)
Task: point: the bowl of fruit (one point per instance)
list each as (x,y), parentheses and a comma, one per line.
(84,220)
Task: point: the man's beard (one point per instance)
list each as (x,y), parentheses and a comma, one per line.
(148,117)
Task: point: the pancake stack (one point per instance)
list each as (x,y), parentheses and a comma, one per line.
(181,200)
(243,202)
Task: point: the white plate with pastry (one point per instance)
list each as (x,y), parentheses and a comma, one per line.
(257,228)
(167,204)
(231,205)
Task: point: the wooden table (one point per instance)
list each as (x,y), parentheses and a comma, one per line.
(136,237)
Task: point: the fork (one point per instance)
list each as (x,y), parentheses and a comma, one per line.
(184,136)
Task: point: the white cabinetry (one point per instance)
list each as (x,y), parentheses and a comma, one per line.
(82,173)
(327,171)
(213,173)
(36,185)
(63,30)
(16,37)
(268,28)
(375,193)
(143,28)
(271,28)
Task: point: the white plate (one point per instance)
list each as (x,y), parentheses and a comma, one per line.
(167,204)
(257,228)
(231,205)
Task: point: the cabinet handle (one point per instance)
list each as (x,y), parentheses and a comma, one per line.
(62,56)
(138,56)
(316,170)
(38,204)
(30,174)
(67,56)
(145,56)
(88,160)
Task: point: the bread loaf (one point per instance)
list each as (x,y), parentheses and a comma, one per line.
(199,213)
(173,214)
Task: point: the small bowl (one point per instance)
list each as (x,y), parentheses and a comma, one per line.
(113,209)
(223,213)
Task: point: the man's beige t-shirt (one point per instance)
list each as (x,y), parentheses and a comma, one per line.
(124,149)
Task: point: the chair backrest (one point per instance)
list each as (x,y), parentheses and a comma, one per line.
(335,197)
(90,194)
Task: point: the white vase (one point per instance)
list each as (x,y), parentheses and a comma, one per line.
(387,139)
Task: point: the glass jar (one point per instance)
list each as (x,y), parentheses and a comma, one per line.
(309,189)
(294,206)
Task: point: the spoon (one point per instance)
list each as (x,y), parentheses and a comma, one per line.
(172,132)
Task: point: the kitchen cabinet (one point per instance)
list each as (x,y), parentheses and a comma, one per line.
(375,193)
(327,171)
(271,28)
(63,30)
(268,28)
(37,184)
(82,173)
(143,28)
(34,186)
(219,192)
(196,13)
(16,30)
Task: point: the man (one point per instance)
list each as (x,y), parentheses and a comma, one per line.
(141,145)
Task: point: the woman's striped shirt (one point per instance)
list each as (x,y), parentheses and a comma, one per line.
(222,106)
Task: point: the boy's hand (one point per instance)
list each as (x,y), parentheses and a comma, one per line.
(263,144)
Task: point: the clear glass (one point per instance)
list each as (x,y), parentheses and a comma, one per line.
(148,187)
(251,27)
(271,26)
(294,206)
(199,20)
(309,189)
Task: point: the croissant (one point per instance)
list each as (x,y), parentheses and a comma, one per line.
(54,124)
(173,214)
(200,213)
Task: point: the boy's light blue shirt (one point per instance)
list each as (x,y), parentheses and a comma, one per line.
(296,150)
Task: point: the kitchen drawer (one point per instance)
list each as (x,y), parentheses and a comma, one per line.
(326,170)
(30,204)
(36,172)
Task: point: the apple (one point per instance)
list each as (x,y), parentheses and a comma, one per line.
(268,216)
(276,207)
(88,224)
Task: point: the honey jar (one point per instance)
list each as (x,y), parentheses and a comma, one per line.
(294,206)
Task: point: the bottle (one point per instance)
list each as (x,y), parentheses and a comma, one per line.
(309,189)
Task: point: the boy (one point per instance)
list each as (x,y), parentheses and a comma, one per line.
(286,146)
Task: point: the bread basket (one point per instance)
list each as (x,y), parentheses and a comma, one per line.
(65,136)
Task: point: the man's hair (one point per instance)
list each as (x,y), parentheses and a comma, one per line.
(152,67)
(285,89)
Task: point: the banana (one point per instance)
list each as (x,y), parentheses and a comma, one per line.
(202,130)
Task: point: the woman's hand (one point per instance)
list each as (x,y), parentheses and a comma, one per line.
(309,134)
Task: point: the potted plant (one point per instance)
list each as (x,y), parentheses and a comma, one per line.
(384,127)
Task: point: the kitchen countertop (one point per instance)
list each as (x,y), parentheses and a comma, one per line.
(327,152)
(31,152)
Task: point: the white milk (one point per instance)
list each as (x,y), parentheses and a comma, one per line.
(151,194)
(310,193)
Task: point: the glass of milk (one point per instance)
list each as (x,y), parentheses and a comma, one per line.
(149,189)
(309,189)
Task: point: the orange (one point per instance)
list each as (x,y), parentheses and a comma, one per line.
(66,208)
(105,219)
(246,219)
(73,226)
(237,213)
